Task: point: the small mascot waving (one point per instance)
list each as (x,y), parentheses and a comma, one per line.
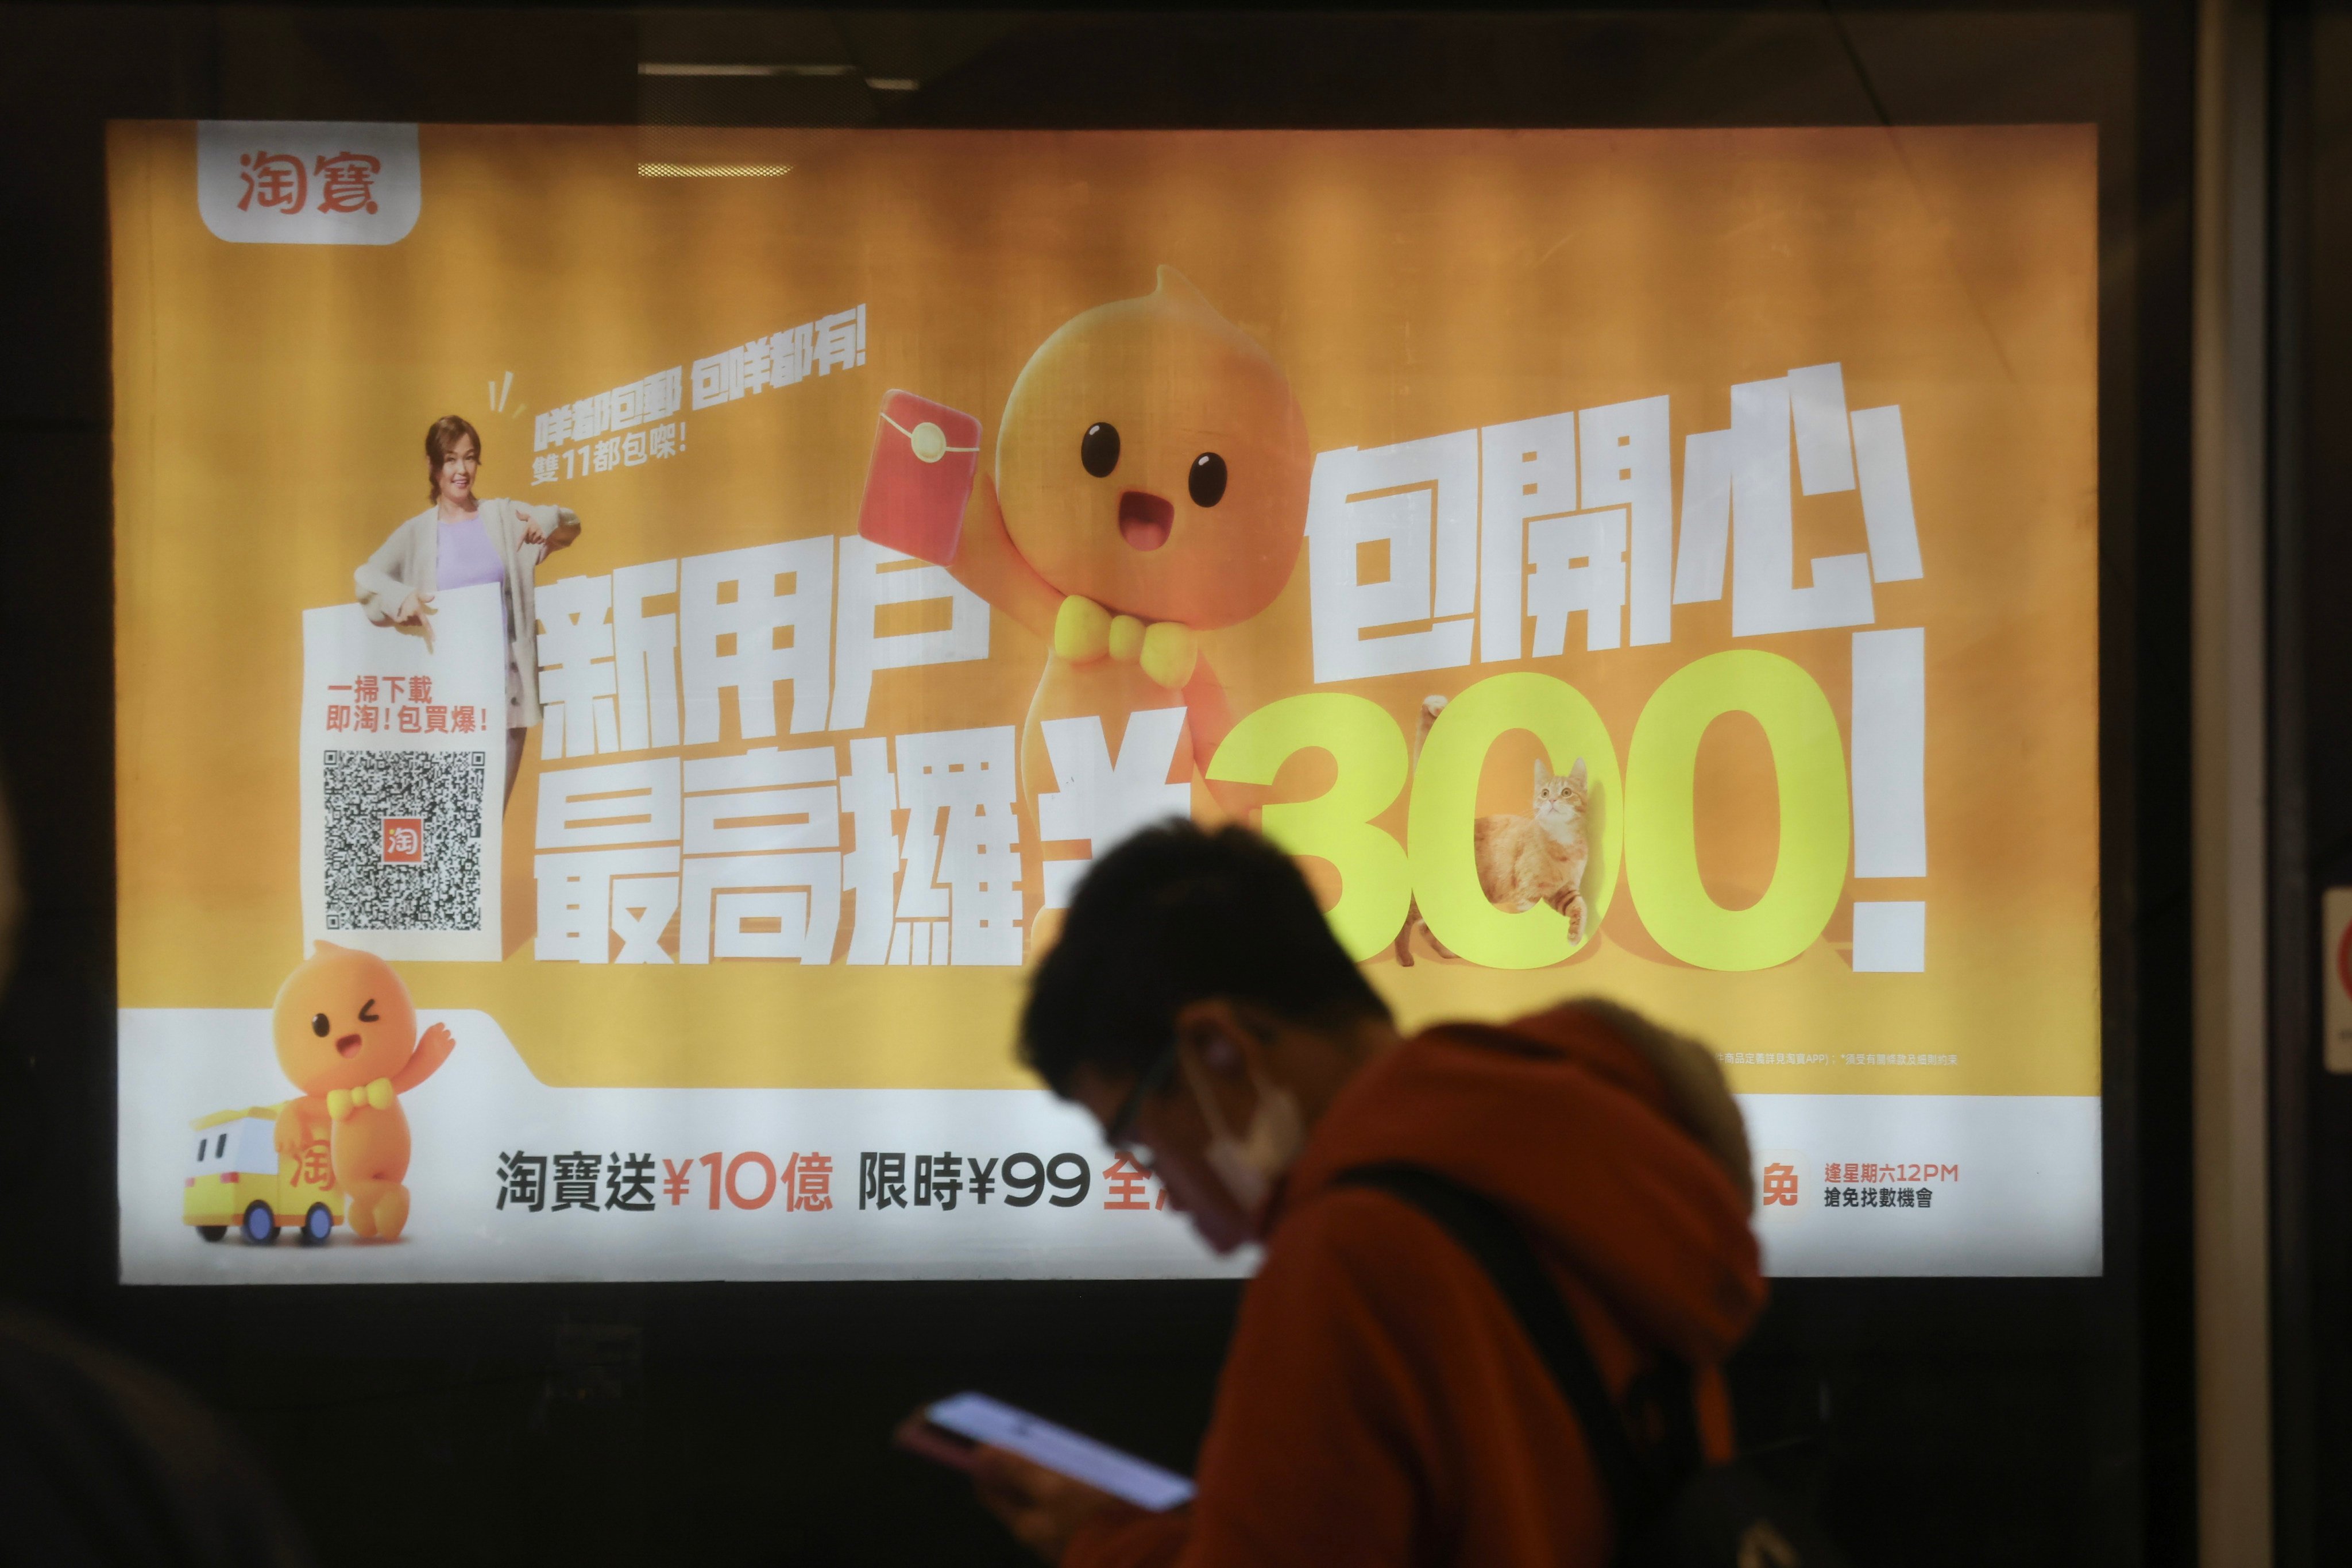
(346,1035)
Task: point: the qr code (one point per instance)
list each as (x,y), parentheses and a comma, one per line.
(405,840)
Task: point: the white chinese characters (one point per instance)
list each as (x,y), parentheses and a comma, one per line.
(638,422)
(752,855)
(770,852)
(783,359)
(1557,534)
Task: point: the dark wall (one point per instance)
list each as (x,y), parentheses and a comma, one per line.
(1936,1422)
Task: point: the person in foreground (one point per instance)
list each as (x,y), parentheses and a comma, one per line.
(1381,1402)
(102,1461)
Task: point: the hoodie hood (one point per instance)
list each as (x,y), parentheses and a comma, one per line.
(1613,1142)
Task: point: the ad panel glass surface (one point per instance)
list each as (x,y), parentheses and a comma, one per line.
(623,653)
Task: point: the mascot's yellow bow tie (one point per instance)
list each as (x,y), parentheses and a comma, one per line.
(1165,650)
(342,1102)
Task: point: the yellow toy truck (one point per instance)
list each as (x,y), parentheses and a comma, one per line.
(237,1178)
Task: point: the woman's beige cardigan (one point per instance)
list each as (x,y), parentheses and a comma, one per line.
(407,561)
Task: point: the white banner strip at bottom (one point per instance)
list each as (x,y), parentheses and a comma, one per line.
(1927,1183)
(512,1180)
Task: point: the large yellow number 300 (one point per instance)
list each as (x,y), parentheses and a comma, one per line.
(1375,882)
(1650,817)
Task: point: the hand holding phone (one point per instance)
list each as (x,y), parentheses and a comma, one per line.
(925,455)
(953,1430)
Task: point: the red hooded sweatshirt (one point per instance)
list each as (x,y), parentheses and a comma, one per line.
(1379,1404)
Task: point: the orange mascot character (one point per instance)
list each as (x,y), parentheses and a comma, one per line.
(346,1035)
(1151,482)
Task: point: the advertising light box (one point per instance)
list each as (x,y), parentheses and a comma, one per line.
(621,662)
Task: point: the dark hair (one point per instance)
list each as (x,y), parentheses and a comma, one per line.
(439,440)
(1170,916)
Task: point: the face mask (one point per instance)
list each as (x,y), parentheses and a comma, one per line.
(1249,1165)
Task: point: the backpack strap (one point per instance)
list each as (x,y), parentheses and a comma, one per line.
(1481,1228)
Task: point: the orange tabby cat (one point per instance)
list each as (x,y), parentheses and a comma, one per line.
(1523,861)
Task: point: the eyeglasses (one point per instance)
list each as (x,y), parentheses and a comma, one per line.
(1120,1132)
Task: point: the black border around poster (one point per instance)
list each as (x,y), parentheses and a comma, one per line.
(1874,1388)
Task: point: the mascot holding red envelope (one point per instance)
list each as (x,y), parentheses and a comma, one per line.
(1151,482)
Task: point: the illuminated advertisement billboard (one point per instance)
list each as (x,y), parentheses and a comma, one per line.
(621,661)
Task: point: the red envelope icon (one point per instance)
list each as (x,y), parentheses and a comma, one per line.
(925,454)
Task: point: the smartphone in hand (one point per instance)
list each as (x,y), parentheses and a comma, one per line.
(925,455)
(953,1429)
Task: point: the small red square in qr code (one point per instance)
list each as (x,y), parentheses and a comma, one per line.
(403,840)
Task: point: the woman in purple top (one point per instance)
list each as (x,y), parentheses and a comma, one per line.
(461,541)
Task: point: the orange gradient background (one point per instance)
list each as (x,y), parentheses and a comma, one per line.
(271,401)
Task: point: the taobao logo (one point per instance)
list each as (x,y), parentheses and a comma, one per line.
(278,182)
(403,840)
